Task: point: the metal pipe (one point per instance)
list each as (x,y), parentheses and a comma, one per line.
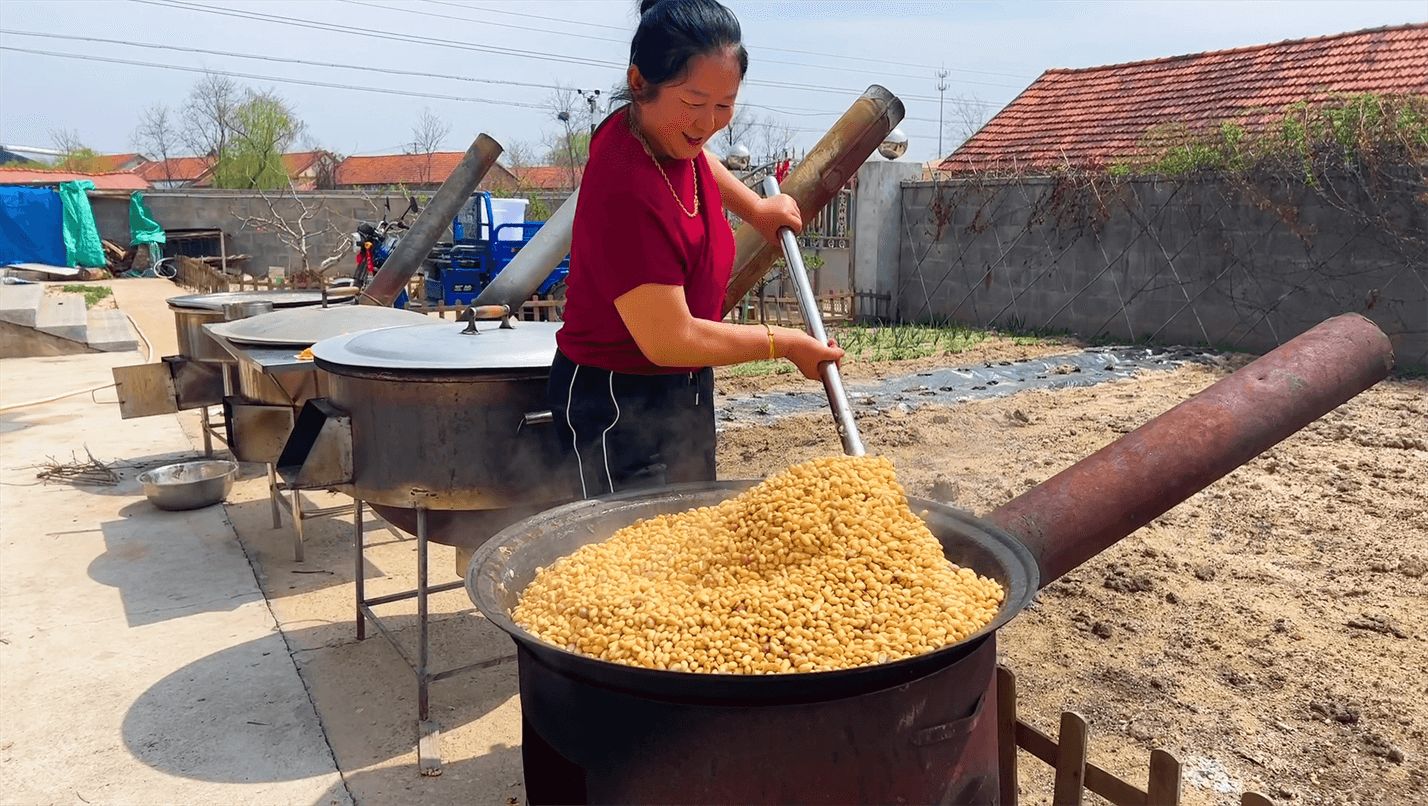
(817,179)
(413,248)
(808,304)
(359,576)
(522,277)
(1082,510)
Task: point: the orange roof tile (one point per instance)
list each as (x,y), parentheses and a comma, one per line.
(298,161)
(116,180)
(175,169)
(545,177)
(398,169)
(1099,115)
(116,162)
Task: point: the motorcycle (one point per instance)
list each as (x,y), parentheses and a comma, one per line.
(373,243)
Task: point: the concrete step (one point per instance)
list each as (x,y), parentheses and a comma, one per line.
(63,315)
(20,303)
(109,331)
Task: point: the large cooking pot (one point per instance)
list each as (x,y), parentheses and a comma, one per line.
(503,567)
(440,420)
(193,311)
(602,732)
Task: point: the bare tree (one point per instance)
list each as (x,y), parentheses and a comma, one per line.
(156,136)
(518,156)
(771,140)
(74,154)
(208,114)
(964,116)
(569,147)
(428,135)
(737,132)
(300,230)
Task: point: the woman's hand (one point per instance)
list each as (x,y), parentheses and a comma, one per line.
(773,213)
(807,353)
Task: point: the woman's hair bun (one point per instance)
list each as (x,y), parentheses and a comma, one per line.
(646,5)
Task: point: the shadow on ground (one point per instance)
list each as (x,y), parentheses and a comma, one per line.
(203,720)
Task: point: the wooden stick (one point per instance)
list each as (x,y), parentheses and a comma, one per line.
(1006,735)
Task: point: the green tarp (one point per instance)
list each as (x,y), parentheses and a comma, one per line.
(143,229)
(81,235)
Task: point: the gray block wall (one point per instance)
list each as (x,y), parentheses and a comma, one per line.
(334,215)
(1178,262)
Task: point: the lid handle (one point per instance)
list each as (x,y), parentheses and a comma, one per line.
(484,313)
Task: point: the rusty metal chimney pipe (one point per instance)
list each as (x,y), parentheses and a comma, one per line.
(817,179)
(1085,508)
(413,248)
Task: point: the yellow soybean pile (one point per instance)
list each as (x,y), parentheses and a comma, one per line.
(820,567)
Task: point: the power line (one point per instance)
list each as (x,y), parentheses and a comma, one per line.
(280,59)
(625,42)
(626,30)
(432,42)
(791,111)
(279,79)
(304,82)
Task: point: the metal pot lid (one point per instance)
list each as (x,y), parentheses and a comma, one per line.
(307,326)
(280,299)
(444,347)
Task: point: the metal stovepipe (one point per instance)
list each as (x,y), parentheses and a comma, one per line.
(1087,507)
(816,179)
(413,248)
(534,262)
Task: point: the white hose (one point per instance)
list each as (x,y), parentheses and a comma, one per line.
(148,354)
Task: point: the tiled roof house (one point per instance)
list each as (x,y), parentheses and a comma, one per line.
(104,180)
(308,170)
(109,163)
(412,171)
(1099,116)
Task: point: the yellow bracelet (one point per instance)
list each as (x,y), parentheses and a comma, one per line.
(772,352)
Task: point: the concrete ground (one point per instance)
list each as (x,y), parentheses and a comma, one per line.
(139,661)
(152,657)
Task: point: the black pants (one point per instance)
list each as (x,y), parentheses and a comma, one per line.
(633,431)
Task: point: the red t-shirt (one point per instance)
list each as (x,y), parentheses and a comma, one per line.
(629,231)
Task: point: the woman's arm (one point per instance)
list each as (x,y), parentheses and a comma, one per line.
(658,318)
(767,215)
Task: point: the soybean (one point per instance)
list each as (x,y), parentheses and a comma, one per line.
(820,567)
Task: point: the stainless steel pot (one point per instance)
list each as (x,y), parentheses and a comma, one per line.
(193,342)
(436,417)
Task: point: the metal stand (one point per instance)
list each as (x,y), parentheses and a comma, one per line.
(212,429)
(295,509)
(428,731)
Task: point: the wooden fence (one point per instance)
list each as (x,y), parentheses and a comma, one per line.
(201,276)
(841,307)
(1067,755)
(836,307)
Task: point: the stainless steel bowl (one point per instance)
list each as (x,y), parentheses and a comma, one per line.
(189,485)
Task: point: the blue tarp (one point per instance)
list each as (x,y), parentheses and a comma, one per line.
(31,226)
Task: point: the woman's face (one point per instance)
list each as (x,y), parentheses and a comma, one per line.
(685,115)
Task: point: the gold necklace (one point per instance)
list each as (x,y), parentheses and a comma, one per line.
(692,167)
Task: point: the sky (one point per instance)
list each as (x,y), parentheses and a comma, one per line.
(487,65)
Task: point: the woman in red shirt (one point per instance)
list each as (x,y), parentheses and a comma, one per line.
(631,386)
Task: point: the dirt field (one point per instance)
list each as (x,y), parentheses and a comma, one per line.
(1269,631)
